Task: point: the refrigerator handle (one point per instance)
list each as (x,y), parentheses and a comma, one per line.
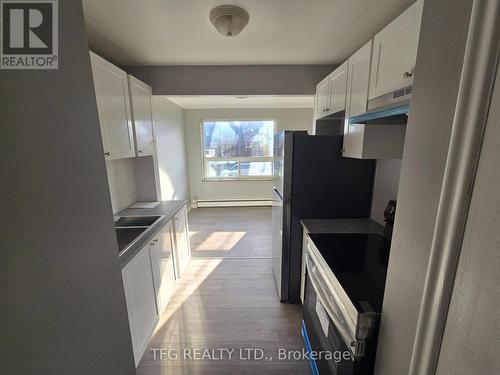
(277,192)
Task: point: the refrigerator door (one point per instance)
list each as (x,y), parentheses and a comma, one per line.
(278,162)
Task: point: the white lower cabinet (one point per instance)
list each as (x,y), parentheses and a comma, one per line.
(141,301)
(162,262)
(182,249)
(149,278)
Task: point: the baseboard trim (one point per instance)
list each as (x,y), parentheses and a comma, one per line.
(235,203)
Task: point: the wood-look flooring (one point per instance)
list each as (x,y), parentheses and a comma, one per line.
(227,301)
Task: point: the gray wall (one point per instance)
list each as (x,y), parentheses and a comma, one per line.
(437,75)
(471,337)
(63,306)
(286,119)
(385,186)
(171,148)
(232,79)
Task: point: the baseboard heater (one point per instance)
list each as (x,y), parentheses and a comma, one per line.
(234,203)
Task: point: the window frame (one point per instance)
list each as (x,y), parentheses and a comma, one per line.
(238,159)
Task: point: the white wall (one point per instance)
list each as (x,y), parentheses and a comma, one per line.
(171,148)
(286,119)
(121,182)
(385,186)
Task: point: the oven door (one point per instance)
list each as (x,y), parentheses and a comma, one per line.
(321,336)
(354,326)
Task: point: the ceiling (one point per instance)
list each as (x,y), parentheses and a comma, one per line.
(224,101)
(158,32)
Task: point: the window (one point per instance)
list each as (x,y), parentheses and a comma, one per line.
(238,149)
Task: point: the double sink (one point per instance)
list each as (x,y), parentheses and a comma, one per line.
(130,228)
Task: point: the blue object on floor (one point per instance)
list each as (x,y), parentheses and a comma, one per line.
(312,362)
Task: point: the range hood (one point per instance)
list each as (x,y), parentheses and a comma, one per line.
(389,108)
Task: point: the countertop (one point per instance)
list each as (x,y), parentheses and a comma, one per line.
(362,225)
(167,209)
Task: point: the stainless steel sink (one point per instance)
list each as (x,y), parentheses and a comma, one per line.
(129,228)
(136,221)
(126,236)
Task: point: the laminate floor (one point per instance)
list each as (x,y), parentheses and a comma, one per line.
(224,314)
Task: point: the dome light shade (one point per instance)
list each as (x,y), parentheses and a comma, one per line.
(229,20)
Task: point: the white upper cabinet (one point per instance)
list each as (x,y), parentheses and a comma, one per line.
(395,52)
(113,105)
(338,85)
(357,99)
(322,98)
(142,117)
(359,80)
(331,92)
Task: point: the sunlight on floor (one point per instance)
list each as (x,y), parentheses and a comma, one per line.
(196,273)
(216,240)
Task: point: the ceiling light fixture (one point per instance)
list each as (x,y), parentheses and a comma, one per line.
(229,20)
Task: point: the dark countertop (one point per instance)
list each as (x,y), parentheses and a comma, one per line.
(362,225)
(167,209)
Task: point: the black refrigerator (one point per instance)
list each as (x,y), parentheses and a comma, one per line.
(311,181)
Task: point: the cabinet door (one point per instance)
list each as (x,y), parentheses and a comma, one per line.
(322,97)
(161,249)
(337,82)
(353,140)
(357,99)
(359,80)
(141,304)
(142,116)
(395,52)
(113,106)
(182,248)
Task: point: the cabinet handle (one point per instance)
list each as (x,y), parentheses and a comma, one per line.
(407,75)
(107,154)
(139,151)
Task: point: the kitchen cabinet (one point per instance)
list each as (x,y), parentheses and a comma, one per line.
(182,253)
(161,249)
(113,107)
(331,92)
(142,116)
(322,100)
(373,141)
(358,80)
(141,302)
(338,86)
(357,100)
(395,52)
(303,273)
